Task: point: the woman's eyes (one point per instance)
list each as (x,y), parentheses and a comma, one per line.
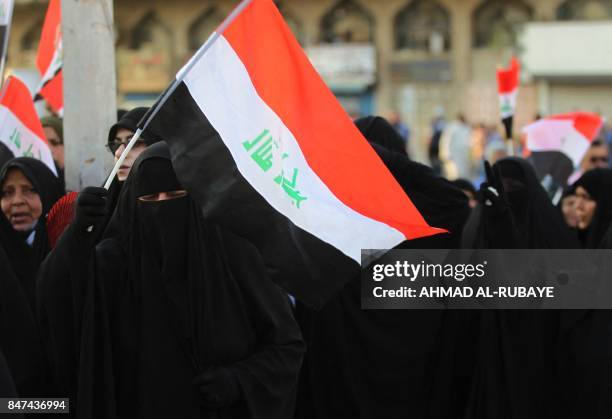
(25,191)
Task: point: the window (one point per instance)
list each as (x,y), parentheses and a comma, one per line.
(203,27)
(347,22)
(31,37)
(292,21)
(585,10)
(422,25)
(496,22)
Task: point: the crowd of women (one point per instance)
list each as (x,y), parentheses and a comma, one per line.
(134,305)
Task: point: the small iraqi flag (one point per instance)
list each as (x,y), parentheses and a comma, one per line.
(261,142)
(507,86)
(20,128)
(49,59)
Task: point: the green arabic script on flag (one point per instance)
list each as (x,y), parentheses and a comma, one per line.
(262,151)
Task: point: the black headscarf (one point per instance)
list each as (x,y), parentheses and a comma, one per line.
(387,363)
(26,259)
(168,296)
(377,130)
(129,120)
(5,154)
(598,183)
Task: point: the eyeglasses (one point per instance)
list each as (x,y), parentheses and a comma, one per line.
(113,146)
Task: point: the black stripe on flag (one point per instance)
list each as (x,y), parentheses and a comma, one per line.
(303,265)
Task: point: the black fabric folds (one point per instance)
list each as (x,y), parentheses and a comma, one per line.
(164,297)
(516,371)
(389,363)
(378,131)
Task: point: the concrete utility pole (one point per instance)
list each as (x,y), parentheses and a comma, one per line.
(90,92)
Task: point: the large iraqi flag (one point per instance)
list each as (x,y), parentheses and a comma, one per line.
(261,142)
(49,59)
(20,128)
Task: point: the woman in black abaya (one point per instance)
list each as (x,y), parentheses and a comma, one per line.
(178,317)
(594,207)
(515,374)
(29,189)
(586,339)
(387,364)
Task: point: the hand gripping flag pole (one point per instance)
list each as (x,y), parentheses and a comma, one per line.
(148,117)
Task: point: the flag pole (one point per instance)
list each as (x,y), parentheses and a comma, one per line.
(179,78)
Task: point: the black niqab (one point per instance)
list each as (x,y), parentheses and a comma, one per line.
(151,324)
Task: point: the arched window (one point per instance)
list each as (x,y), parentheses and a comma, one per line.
(146,60)
(150,32)
(585,10)
(496,22)
(203,27)
(422,25)
(292,21)
(31,37)
(347,21)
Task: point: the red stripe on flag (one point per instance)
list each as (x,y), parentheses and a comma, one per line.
(18,99)
(285,79)
(508,79)
(49,36)
(53,92)
(588,124)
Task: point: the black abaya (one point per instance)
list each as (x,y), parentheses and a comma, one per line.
(515,375)
(19,262)
(165,297)
(388,364)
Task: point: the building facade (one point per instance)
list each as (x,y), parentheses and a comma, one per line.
(422,58)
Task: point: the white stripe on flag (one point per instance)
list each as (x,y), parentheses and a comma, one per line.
(21,140)
(220,85)
(507,104)
(557,135)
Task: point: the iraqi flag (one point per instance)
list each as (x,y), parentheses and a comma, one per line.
(558,143)
(20,128)
(263,145)
(49,59)
(507,86)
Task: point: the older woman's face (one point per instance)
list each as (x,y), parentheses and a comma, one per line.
(20,203)
(585,208)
